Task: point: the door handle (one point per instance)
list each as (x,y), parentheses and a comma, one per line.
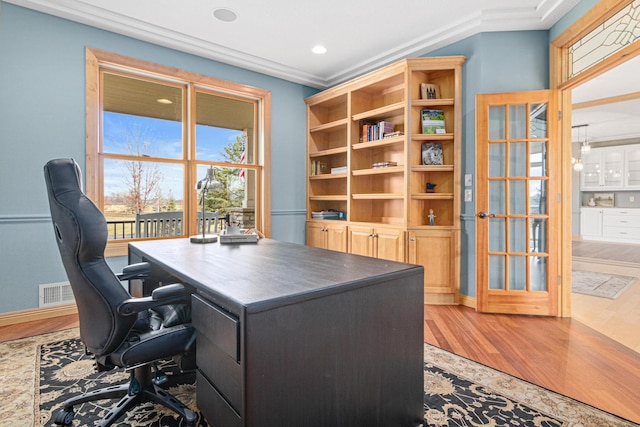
(485,215)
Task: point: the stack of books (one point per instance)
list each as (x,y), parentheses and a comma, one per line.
(327,215)
(339,169)
(384,164)
(393,134)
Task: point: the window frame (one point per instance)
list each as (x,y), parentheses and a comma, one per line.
(96,60)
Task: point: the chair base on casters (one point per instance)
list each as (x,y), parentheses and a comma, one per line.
(140,389)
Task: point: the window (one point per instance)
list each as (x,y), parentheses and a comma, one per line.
(154,133)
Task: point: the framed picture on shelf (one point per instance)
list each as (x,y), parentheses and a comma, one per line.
(429,91)
(432,153)
(605,199)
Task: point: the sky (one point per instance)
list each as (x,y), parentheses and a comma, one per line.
(164,139)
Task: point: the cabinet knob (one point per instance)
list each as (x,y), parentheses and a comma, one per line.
(413,239)
(373,235)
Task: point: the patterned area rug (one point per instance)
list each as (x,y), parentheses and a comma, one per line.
(599,284)
(38,372)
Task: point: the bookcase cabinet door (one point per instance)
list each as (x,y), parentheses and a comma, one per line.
(377,242)
(336,237)
(435,250)
(332,236)
(390,244)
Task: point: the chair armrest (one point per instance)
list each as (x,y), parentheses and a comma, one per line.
(169,294)
(170,291)
(140,270)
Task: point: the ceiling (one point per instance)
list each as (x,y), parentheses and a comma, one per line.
(276,37)
(607,121)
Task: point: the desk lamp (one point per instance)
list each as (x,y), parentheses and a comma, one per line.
(203,187)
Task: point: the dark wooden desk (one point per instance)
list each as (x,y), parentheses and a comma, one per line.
(290,335)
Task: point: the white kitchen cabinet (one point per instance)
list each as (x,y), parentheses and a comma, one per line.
(632,167)
(603,169)
(591,223)
(621,224)
(610,224)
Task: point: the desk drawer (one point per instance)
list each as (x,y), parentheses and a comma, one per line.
(213,406)
(220,370)
(221,328)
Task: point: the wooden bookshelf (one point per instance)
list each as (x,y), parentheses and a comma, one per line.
(387,208)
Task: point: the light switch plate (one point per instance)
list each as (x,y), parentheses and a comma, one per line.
(468,180)
(468,195)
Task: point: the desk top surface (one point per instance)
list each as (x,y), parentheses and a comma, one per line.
(257,277)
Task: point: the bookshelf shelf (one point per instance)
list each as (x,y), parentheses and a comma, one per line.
(378,196)
(329,198)
(395,109)
(388,209)
(329,152)
(378,171)
(327,127)
(432,102)
(327,176)
(432,196)
(379,143)
(433,137)
(433,168)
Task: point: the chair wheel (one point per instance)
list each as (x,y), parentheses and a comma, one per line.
(63,418)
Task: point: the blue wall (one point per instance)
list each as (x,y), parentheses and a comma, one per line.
(42,116)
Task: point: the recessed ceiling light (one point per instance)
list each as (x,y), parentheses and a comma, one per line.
(164,101)
(225,15)
(319,50)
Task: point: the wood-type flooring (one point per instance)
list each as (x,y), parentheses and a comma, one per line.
(563,355)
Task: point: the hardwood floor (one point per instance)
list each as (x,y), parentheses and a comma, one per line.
(37,327)
(618,253)
(618,319)
(562,355)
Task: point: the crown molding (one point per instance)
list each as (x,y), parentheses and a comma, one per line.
(541,17)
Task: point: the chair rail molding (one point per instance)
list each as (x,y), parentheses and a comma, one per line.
(24,218)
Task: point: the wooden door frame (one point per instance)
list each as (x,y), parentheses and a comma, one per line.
(559,79)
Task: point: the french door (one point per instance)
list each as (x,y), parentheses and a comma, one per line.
(518,203)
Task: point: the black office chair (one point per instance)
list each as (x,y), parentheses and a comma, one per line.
(118,330)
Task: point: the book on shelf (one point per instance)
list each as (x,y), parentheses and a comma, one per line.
(318,167)
(374,131)
(433,121)
(393,134)
(432,153)
(330,214)
(429,91)
(339,169)
(384,164)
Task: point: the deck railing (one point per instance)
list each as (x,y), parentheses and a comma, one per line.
(159,224)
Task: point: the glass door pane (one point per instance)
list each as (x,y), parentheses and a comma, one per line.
(517,200)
